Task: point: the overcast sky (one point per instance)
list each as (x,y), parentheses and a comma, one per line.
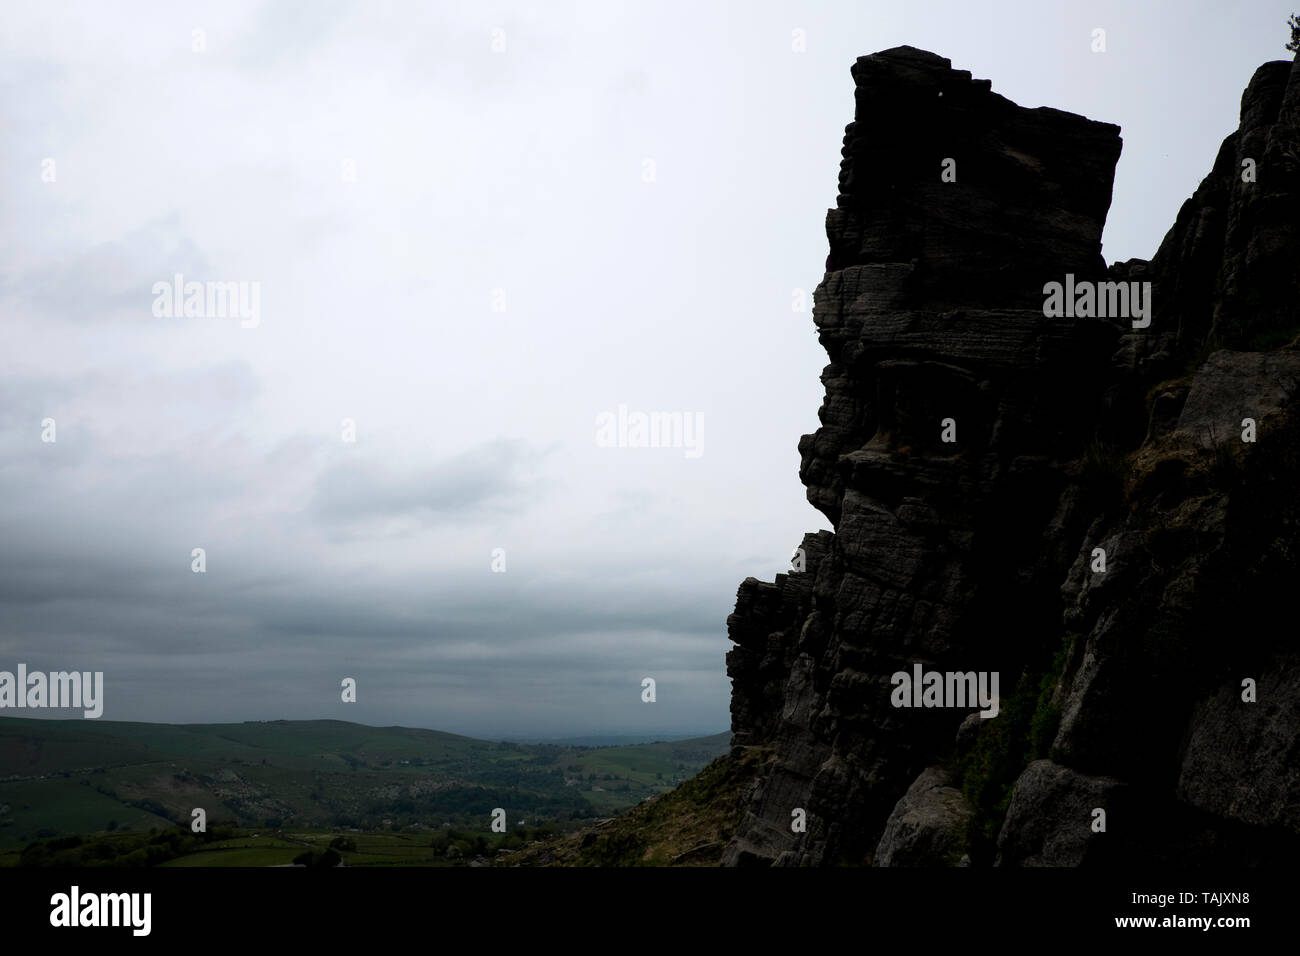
(457,248)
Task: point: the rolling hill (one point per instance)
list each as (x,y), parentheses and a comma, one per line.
(60,779)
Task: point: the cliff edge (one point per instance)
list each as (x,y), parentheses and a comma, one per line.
(1087,495)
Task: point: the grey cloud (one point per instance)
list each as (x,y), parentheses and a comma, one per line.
(490,475)
(112,279)
(520,171)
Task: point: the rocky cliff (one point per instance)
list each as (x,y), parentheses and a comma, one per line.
(1073,502)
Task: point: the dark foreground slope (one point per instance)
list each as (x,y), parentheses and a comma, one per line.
(689,826)
(1121,690)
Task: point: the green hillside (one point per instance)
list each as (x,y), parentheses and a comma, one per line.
(76,778)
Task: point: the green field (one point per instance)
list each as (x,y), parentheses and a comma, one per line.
(251,857)
(390,789)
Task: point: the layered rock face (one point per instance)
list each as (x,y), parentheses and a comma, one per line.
(975,453)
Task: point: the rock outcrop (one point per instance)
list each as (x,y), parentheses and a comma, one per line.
(927,826)
(975,453)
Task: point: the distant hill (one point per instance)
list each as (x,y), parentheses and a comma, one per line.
(78,777)
(612,740)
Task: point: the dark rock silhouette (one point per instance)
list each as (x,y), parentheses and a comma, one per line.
(1120,689)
